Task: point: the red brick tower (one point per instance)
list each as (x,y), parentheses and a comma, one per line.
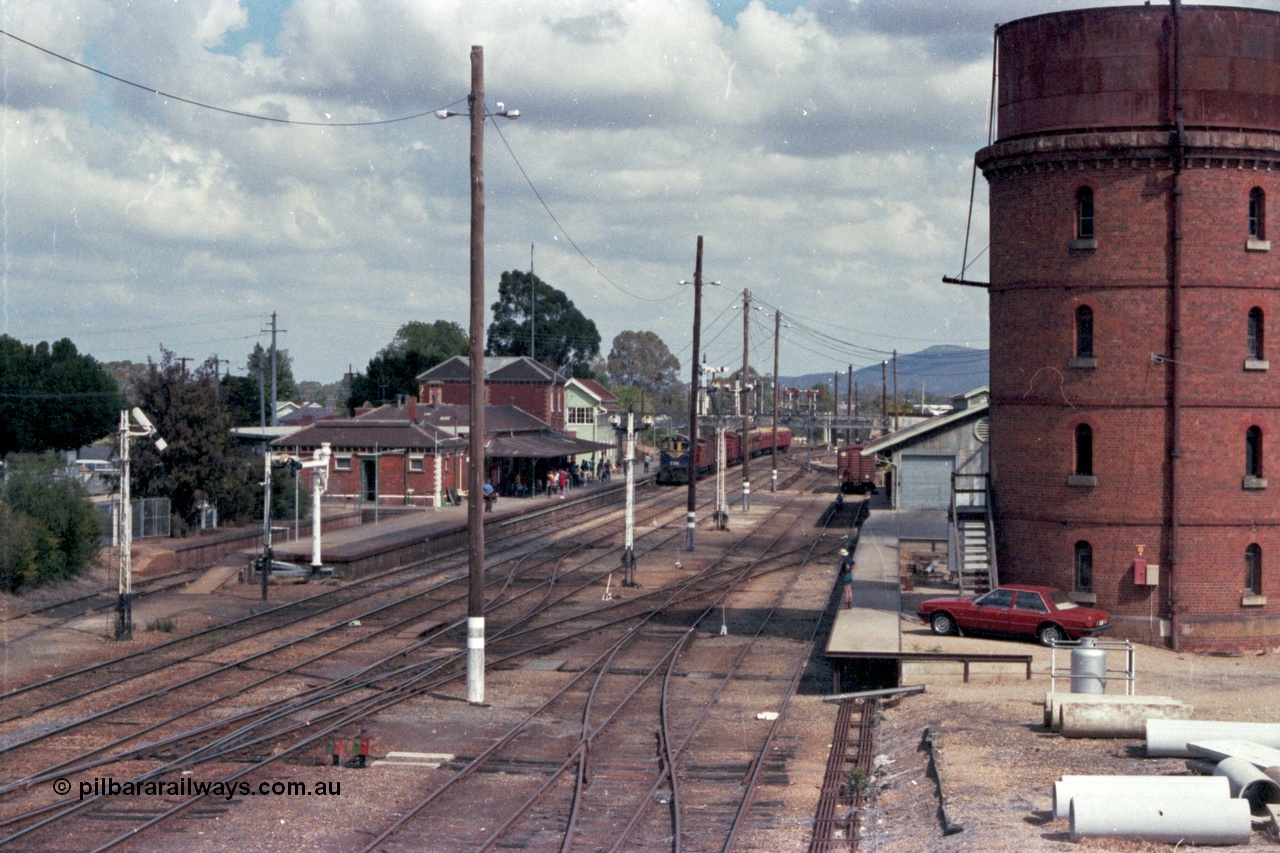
(1133,294)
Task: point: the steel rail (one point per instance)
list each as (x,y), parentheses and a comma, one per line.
(322,733)
(674,758)
(742,574)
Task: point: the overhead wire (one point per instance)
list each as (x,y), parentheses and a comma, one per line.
(556,220)
(206,106)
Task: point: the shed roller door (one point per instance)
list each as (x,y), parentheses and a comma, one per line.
(926,482)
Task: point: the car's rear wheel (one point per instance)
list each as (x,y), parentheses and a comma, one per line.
(942,624)
(1050,634)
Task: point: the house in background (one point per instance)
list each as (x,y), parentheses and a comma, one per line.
(515,381)
(385,457)
(588,406)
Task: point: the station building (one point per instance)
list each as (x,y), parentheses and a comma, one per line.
(1134,424)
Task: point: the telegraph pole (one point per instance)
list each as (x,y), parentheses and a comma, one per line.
(884,395)
(691,509)
(848,408)
(746,408)
(895,390)
(274,420)
(475,505)
(777,331)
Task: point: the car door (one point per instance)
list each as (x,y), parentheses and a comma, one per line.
(991,610)
(1027,614)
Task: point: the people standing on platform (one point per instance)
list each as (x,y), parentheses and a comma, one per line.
(646,463)
(845,578)
(552,480)
(563,482)
(586,470)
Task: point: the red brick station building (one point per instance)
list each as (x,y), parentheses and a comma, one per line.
(1134,301)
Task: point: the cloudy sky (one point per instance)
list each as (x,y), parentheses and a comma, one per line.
(823,149)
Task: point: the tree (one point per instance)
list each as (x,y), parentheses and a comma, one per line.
(201,462)
(248,398)
(53,398)
(417,347)
(530,311)
(49,530)
(286,387)
(643,360)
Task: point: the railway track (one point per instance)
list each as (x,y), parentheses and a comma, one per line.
(534,584)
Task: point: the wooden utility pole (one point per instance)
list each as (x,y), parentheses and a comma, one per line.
(691,513)
(895,390)
(746,408)
(848,409)
(475,503)
(777,330)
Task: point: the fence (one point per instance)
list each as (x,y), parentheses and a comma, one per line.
(150,519)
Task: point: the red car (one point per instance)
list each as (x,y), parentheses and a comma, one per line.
(1034,611)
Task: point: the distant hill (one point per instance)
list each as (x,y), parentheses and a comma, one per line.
(940,370)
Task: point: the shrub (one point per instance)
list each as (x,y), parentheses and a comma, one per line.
(50,529)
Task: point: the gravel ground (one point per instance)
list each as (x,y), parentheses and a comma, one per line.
(997,762)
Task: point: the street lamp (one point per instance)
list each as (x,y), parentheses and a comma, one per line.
(628,550)
(144,428)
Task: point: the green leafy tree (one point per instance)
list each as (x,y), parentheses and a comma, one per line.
(248,398)
(260,360)
(533,318)
(53,398)
(417,347)
(201,462)
(49,528)
(643,360)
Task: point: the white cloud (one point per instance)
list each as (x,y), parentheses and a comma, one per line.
(824,154)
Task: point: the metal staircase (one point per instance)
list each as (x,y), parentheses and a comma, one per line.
(972,534)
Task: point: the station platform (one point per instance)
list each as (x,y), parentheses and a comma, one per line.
(390,535)
(865,647)
(872,625)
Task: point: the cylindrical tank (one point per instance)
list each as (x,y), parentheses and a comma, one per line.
(1088,667)
(1134,262)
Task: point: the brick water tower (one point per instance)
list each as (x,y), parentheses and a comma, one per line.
(1134,300)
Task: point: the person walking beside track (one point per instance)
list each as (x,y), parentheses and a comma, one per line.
(845,579)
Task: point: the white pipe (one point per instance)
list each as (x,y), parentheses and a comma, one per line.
(1053,703)
(1249,783)
(1168,818)
(1128,720)
(1169,738)
(1130,788)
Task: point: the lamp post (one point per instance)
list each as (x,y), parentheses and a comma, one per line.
(124,607)
(629,461)
(475,502)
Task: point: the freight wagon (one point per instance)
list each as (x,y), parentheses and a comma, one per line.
(857,473)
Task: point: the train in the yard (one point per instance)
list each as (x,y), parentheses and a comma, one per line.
(857,473)
(674,452)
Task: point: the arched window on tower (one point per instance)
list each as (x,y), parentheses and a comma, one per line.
(1084,214)
(1257,223)
(1084,450)
(1253,453)
(1253,569)
(1084,567)
(1254,340)
(1084,332)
